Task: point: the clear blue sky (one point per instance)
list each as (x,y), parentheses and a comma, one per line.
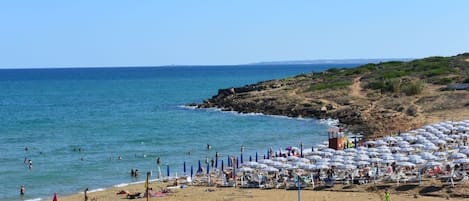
(47,33)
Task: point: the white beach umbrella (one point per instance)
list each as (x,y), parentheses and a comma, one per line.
(389,139)
(314,157)
(407,149)
(321,167)
(362,163)
(375,160)
(387,157)
(418,146)
(269,169)
(347,167)
(281,159)
(405,164)
(464,151)
(433,164)
(245,169)
(292,158)
(328,150)
(461,161)
(401,158)
(394,149)
(335,164)
(370,142)
(381,142)
(250,164)
(417,160)
(388,161)
(327,154)
(350,150)
(457,155)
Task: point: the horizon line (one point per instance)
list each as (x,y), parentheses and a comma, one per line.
(261,63)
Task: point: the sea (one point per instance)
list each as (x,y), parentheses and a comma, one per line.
(88,127)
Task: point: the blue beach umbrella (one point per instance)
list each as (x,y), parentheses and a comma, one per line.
(256,156)
(167,170)
(237,163)
(184,167)
(208,168)
(268,154)
(192,170)
(250,158)
(216,162)
(241,158)
(356,143)
(222,165)
(200,167)
(229,161)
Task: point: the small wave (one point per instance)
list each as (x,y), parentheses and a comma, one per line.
(187,107)
(34,199)
(121,185)
(97,190)
(329,122)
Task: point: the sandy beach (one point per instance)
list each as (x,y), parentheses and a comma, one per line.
(196,193)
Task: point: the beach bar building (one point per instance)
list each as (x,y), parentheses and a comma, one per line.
(336,139)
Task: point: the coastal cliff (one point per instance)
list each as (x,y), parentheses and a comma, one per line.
(373,99)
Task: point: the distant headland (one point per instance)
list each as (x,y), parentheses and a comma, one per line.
(375,99)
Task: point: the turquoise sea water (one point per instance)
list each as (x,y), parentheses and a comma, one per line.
(135,113)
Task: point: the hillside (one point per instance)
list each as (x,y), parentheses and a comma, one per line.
(374,99)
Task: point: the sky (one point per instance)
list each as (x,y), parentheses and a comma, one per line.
(92,33)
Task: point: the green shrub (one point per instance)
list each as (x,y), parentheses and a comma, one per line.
(413,88)
(328,85)
(443,81)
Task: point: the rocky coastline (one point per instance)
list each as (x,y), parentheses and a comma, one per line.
(360,108)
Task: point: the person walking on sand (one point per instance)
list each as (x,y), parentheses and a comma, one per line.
(86,194)
(387,197)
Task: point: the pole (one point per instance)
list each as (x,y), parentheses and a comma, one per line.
(299,187)
(146,190)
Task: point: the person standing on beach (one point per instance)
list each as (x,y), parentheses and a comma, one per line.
(86,194)
(387,197)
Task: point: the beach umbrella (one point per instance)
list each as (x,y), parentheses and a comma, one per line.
(228,161)
(268,154)
(405,164)
(256,156)
(433,164)
(321,166)
(245,169)
(184,168)
(457,155)
(362,163)
(269,169)
(237,163)
(208,168)
(55,197)
(347,167)
(216,162)
(222,165)
(250,158)
(192,170)
(417,160)
(462,161)
(241,158)
(167,170)
(375,160)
